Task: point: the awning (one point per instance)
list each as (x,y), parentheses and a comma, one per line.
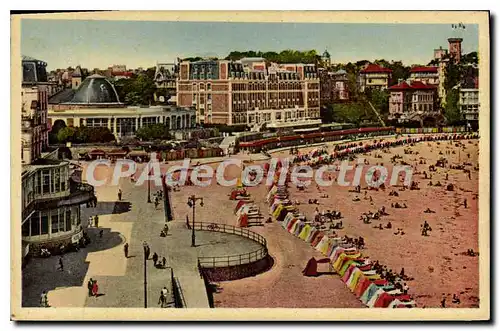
(118,152)
(138,153)
(97,152)
(306,130)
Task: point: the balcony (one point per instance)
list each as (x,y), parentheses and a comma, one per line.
(79,193)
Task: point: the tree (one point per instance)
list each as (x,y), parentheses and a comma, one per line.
(84,134)
(399,71)
(285,56)
(95,135)
(56,127)
(67,134)
(380,100)
(326,113)
(451,109)
(153,132)
(137,90)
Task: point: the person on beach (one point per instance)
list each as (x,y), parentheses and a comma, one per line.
(155,258)
(125,250)
(119,195)
(96,221)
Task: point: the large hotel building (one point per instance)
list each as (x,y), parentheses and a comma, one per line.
(249,92)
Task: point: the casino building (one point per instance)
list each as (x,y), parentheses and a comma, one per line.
(95,103)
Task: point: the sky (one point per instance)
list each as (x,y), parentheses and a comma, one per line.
(99,44)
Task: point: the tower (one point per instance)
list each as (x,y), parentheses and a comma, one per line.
(325,58)
(76,78)
(455,48)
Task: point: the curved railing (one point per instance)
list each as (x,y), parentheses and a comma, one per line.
(232,260)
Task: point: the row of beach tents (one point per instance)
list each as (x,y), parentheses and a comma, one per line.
(347,261)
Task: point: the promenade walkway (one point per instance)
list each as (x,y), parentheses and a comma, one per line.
(120,279)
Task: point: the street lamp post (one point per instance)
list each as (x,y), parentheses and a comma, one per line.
(192,203)
(145,247)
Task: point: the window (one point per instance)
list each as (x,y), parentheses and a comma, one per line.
(26,228)
(55,180)
(68,220)
(97,122)
(45,223)
(55,223)
(46,181)
(35,224)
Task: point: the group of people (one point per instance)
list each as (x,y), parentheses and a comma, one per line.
(93,288)
(322,219)
(158,195)
(92,203)
(93,221)
(162,301)
(399,280)
(359,242)
(159,262)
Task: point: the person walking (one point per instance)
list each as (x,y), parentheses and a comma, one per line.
(61,266)
(90,284)
(163,261)
(95,288)
(91,220)
(125,250)
(164,293)
(96,221)
(148,251)
(161,300)
(119,195)
(44,302)
(155,258)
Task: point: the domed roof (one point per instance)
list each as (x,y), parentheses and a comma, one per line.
(95,89)
(326,54)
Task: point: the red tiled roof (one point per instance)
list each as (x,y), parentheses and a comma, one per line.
(375,68)
(415,85)
(401,86)
(120,73)
(424,69)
